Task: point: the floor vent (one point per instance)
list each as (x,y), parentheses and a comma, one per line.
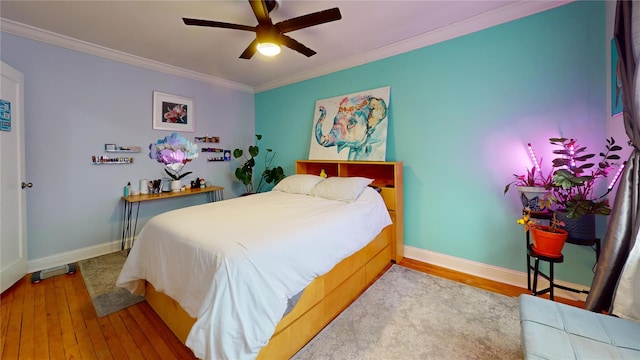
(38,276)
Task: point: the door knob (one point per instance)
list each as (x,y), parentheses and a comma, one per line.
(26,185)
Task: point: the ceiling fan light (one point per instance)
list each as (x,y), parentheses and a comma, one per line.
(268,49)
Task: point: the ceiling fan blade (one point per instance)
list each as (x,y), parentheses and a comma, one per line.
(217,24)
(250,50)
(308,20)
(260,10)
(294,45)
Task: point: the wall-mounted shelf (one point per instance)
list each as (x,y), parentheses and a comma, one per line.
(121,149)
(226,156)
(207,139)
(105,160)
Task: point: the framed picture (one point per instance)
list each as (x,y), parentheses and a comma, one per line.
(616,82)
(172,112)
(364,118)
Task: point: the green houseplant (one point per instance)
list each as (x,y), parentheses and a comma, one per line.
(244,173)
(547,240)
(575,178)
(531,178)
(533,187)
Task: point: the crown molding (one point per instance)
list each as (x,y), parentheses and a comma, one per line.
(500,16)
(48,37)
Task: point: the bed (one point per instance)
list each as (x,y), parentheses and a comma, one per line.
(292,257)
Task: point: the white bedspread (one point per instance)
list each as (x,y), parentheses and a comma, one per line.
(234,264)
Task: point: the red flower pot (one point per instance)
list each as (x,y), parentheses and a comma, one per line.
(548,243)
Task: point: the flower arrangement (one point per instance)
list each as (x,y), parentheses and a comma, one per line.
(574,182)
(174,152)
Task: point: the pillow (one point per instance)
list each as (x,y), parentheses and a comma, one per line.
(341,188)
(298,183)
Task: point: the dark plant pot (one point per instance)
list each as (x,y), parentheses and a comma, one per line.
(582,228)
(546,242)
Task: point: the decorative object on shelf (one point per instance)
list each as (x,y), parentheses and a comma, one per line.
(207,139)
(245,172)
(533,185)
(223,155)
(198,183)
(175,185)
(115,148)
(547,240)
(174,152)
(360,125)
(144,186)
(215,158)
(208,149)
(156,186)
(105,160)
(172,112)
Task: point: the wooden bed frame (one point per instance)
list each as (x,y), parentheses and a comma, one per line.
(328,295)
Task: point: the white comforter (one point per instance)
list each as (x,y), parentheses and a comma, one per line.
(233,265)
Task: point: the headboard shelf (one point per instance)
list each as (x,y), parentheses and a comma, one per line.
(386,175)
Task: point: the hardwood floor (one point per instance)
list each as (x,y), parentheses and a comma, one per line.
(55,319)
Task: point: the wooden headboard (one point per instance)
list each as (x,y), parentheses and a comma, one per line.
(386,175)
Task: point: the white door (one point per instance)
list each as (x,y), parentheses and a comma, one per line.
(13,204)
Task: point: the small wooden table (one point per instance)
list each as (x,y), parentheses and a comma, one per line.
(214,193)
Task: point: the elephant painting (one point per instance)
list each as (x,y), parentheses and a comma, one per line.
(355,126)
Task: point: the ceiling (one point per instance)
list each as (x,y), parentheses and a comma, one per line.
(153,32)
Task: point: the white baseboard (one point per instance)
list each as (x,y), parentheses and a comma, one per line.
(495,273)
(73,256)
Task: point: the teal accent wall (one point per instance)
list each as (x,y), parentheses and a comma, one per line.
(461,115)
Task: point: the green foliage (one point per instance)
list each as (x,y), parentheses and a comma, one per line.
(177,176)
(245,172)
(574,179)
(531,178)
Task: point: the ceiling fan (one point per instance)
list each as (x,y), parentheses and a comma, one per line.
(270,36)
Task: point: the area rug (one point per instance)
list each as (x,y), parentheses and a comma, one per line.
(100,275)
(407,314)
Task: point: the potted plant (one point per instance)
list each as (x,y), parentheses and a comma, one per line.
(533,187)
(574,185)
(244,173)
(174,152)
(547,240)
